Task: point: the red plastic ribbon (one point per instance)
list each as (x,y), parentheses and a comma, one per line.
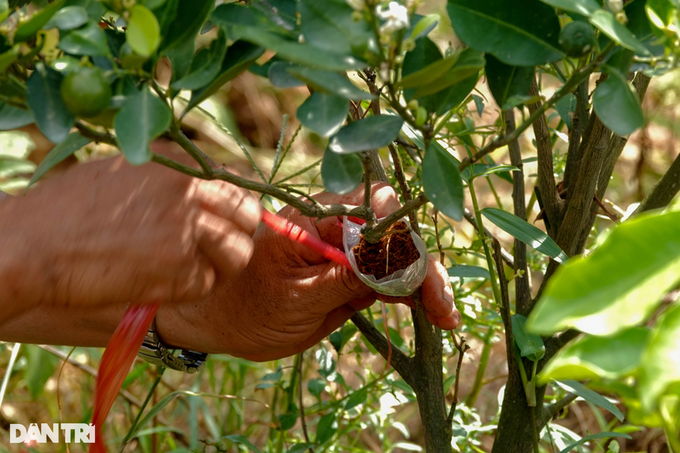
(295,233)
(116,362)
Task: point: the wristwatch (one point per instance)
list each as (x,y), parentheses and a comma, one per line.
(154,351)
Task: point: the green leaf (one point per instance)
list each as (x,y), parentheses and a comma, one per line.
(239,56)
(280,77)
(40,367)
(584,392)
(452,97)
(254,17)
(425,53)
(507,81)
(462,271)
(428,73)
(341,173)
(142,118)
(442,182)
(530,345)
(607,24)
(604,435)
(297,53)
(325,361)
(661,360)
(329,82)
(323,113)
(206,64)
(4,10)
(329,25)
(13,167)
(356,398)
(598,357)
(68,18)
(289,419)
(73,143)
(301,447)
(327,426)
(89,40)
(424,26)
(525,232)
(165,14)
(242,440)
(486,170)
(9,57)
(566,107)
(640,25)
(469,62)
(186,23)
(619,285)
(316,386)
(582,7)
(521,33)
(617,105)
(368,133)
(44,98)
(13,117)
(38,21)
(143,32)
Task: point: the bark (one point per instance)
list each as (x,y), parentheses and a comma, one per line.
(429,385)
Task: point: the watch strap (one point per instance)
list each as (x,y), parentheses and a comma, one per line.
(155,352)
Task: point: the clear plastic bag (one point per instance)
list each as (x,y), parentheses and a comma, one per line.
(401,283)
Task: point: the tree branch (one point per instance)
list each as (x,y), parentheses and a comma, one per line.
(403,185)
(546,177)
(664,191)
(310,210)
(374,234)
(522,288)
(553,409)
(399,361)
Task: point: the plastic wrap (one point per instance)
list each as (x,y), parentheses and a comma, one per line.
(401,283)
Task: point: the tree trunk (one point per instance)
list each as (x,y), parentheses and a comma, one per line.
(514,427)
(428,384)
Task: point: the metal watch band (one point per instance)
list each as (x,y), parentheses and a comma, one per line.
(155,352)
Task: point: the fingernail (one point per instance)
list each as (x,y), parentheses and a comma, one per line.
(447,294)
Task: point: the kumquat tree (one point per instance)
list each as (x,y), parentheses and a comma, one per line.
(533,148)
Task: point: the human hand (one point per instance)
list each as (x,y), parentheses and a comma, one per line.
(289,297)
(108,232)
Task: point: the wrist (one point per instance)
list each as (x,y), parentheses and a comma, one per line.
(13,262)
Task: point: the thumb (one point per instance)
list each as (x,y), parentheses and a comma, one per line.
(333,285)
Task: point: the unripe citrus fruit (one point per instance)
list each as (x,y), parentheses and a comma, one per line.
(86,92)
(577,38)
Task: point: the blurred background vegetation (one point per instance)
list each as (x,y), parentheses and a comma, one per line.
(338,393)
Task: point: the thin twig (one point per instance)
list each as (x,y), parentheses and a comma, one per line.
(462,348)
(399,361)
(403,185)
(553,409)
(368,171)
(178,136)
(442,255)
(279,146)
(374,234)
(301,404)
(61,369)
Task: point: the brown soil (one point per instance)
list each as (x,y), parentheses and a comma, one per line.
(394,252)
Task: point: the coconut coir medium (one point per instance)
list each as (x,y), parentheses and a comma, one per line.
(394,252)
